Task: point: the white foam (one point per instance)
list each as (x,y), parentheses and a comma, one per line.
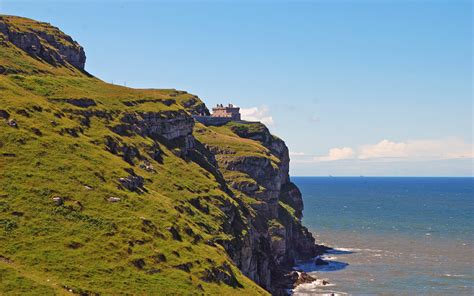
(313,285)
(353,250)
(454,275)
(315,288)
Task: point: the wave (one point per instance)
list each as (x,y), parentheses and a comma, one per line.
(454,275)
(338,250)
(317,287)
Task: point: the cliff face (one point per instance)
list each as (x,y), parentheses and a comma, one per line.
(41,41)
(274,236)
(106,189)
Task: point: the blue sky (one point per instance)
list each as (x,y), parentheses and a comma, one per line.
(354,87)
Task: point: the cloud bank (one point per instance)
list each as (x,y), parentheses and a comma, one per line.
(261,114)
(337,154)
(386,150)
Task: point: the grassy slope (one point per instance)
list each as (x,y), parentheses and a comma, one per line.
(233,147)
(90,244)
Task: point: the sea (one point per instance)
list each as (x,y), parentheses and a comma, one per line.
(390,235)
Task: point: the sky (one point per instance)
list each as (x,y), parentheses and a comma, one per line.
(373,88)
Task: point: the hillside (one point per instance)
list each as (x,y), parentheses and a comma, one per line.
(112,190)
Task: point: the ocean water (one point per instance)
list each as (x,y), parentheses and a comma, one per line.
(391,236)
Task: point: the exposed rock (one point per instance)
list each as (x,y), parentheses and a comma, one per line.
(132,183)
(5,259)
(17,214)
(319,261)
(291,195)
(167,124)
(113,199)
(155,152)
(185,266)
(4,114)
(265,252)
(158,258)
(58,200)
(23,112)
(73,132)
(12,123)
(74,245)
(147,166)
(167,102)
(221,274)
(36,131)
(175,233)
(78,102)
(304,278)
(138,263)
(196,107)
(127,152)
(196,202)
(52,46)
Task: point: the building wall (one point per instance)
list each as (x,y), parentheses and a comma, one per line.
(209,120)
(226,112)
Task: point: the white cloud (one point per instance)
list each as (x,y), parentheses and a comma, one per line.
(418,149)
(297,153)
(383,149)
(337,154)
(386,150)
(257,114)
(315,119)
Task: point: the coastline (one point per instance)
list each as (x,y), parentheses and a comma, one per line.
(364,264)
(404,235)
(311,284)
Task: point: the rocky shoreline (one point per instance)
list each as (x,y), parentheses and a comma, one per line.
(297,276)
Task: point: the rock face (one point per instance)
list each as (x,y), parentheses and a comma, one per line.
(172,128)
(169,125)
(275,237)
(51,45)
(266,243)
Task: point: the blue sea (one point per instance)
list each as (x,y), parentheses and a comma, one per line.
(391,235)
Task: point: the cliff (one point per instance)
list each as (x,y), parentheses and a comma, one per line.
(107,189)
(255,165)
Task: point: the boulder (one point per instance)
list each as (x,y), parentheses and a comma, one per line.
(58,200)
(12,123)
(113,199)
(4,114)
(132,183)
(320,261)
(304,278)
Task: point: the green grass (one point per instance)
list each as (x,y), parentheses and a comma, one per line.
(38,235)
(88,244)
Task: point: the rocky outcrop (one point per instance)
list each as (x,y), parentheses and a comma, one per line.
(195,106)
(80,102)
(50,45)
(275,237)
(169,125)
(132,182)
(171,128)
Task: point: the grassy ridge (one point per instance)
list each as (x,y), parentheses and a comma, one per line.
(101,238)
(89,244)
